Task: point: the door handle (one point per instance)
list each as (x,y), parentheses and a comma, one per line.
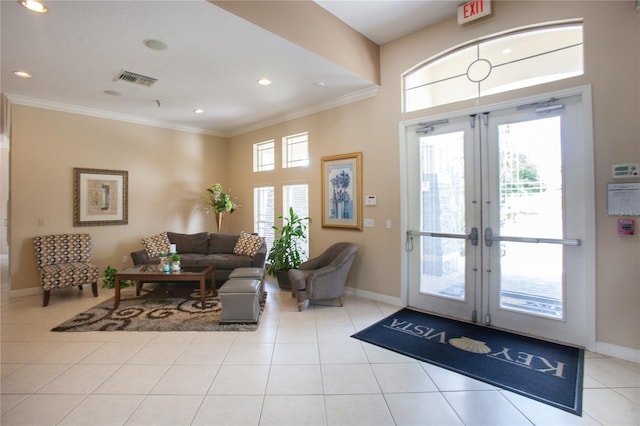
(489,238)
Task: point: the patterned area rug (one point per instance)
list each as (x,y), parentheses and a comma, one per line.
(165,308)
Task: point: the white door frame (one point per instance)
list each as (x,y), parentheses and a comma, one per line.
(588,243)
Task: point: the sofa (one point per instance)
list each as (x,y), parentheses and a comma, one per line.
(225,251)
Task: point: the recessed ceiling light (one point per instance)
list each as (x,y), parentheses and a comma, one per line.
(34,6)
(112,93)
(321,84)
(198,111)
(507,51)
(264,82)
(22,74)
(155,44)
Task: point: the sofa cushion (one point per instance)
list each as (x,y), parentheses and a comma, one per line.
(248,244)
(226,261)
(222,243)
(190,243)
(156,244)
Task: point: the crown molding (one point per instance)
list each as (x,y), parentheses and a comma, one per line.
(359,95)
(97,113)
(91,112)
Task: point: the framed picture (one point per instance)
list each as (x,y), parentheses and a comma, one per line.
(100,197)
(342,191)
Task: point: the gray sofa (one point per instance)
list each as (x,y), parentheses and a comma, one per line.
(204,248)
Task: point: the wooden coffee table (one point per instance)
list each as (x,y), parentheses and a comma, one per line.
(150,274)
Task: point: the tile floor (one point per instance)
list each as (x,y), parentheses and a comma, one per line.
(297,369)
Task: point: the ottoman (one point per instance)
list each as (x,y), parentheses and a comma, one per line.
(250,273)
(240,300)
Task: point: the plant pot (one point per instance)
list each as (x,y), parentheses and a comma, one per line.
(283,280)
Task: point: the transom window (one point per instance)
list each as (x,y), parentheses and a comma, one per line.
(495,65)
(264,156)
(295,150)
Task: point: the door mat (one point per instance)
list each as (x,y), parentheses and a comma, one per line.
(547,372)
(162,309)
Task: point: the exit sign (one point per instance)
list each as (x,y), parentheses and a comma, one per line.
(473,10)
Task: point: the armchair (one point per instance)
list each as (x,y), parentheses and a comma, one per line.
(325,276)
(64,261)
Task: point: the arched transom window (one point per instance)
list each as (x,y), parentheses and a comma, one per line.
(496,64)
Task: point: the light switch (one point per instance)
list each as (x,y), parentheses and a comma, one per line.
(368,223)
(388,223)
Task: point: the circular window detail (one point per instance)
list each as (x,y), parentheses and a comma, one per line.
(479,70)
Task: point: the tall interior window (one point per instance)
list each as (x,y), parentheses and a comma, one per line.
(263,218)
(297,196)
(295,150)
(264,156)
(495,65)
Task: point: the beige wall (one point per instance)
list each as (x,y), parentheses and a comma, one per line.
(167,172)
(169,169)
(372,125)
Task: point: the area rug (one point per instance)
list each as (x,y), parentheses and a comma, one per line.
(547,372)
(165,308)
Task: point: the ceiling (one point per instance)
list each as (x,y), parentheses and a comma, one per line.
(212,61)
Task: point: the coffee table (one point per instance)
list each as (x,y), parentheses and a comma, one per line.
(149,273)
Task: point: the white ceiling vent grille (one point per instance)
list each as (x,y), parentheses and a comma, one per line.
(137,79)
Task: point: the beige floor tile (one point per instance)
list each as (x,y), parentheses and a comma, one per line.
(485,408)
(240,380)
(349,379)
(296,410)
(294,380)
(421,409)
(31,377)
(204,354)
(542,414)
(395,378)
(159,410)
(186,380)
(249,354)
(610,408)
(103,410)
(295,354)
(41,410)
(113,353)
(349,352)
(225,410)
(80,379)
(357,410)
(132,379)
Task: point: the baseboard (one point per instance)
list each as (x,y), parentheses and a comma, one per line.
(376,297)
(616,351)
(25,292)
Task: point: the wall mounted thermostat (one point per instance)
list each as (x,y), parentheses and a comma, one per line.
(629,170)
(370,200)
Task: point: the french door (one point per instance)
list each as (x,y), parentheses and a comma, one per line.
(499,229)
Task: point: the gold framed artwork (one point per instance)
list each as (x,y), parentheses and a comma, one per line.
(342,191)
(100,197)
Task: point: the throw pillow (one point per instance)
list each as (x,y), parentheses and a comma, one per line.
(156,245)
(248,244)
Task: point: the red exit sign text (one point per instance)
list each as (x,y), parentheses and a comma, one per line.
(472,10)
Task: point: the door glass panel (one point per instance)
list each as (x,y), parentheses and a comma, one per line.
(443,210)
(530,188)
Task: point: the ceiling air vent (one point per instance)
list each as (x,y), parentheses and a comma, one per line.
(137,79)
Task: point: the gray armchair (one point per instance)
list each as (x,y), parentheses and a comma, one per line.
(325,276)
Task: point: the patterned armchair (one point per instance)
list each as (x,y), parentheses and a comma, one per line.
(325,276)
(64,261)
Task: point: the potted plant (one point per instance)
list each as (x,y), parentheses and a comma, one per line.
(215,200)
(109,280)
(286,252)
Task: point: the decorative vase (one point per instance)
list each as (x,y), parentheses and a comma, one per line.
(219,221)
